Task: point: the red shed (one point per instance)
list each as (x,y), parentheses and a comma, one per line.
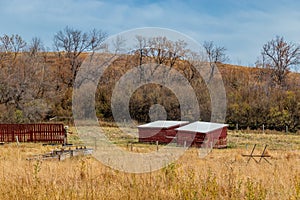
(161,131)
(203,133)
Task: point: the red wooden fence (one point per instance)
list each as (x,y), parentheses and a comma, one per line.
(50,133)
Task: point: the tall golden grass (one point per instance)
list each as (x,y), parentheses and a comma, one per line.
(223,174)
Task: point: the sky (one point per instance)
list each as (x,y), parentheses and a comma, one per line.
(241,26)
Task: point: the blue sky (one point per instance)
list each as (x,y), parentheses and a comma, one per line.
(242,26)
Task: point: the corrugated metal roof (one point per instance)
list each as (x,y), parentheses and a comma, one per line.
(163,124)
(202,127)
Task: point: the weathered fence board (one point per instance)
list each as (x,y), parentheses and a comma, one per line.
(43,132)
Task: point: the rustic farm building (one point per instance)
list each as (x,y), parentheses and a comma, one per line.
(161,131)
(203,133)
(50,133)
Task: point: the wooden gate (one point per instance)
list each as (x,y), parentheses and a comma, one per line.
(43,132)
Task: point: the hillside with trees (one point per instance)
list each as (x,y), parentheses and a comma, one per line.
(36,84)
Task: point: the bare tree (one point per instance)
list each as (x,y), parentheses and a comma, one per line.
(12,44)
(119,45)
(177,50)
(11,69)
(74,42)
(22,85)
(166,52)
(158,49)
(215,54)
(279,56)
(35,46)
(141,48)
(5,43)
(141,52)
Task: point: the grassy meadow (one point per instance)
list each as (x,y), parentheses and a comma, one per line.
(223,174)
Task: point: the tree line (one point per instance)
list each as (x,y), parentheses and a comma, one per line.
(36,84)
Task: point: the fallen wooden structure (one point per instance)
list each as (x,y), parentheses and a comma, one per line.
(261,156)
(39,132)
(62,154)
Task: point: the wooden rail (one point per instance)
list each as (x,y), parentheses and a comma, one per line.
(263,155)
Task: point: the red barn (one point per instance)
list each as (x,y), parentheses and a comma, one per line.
(203,133)
(161,131)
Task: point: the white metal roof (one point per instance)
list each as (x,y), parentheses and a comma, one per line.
(163,124)
(202,127)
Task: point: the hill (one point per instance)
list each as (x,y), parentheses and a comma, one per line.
(39,87)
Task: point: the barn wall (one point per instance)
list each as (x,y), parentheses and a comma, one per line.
(189,138)
(222,140)
(197,139)
(163,136)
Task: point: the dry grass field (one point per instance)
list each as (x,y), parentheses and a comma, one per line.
(223,174)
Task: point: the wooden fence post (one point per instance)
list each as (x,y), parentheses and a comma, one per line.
(17,140)
(95,144)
